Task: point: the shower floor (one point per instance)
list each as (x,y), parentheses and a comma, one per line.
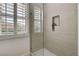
(43,52)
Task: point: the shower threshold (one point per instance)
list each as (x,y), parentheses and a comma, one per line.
(43,52)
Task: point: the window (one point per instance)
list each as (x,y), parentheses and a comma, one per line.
(7,19)
(21,17)
(38,20)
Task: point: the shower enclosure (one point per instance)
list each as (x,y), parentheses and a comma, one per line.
(44,40)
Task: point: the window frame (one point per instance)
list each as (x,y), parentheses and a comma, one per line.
(15,21)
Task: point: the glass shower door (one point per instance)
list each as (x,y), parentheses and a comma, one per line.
(36,26)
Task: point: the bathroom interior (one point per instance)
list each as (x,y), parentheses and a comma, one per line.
(38,29)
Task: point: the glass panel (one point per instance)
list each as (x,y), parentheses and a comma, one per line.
(37,47)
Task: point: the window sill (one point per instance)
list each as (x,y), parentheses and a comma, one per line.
(17,36)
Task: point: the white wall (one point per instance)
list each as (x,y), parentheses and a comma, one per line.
(14,46)
(62,41)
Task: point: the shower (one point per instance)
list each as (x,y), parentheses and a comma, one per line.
(38,29)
